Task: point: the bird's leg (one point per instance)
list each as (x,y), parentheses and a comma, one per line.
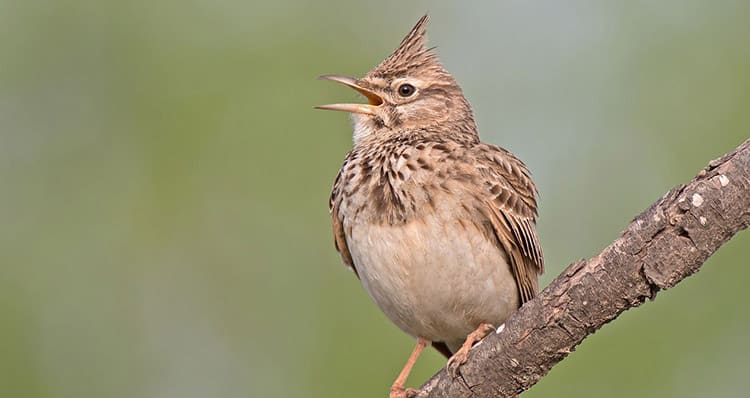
(397,389)
(460,357)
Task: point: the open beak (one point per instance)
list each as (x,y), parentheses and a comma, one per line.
(374,100)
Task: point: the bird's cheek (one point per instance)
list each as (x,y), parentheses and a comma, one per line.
(426,115)
(410,112)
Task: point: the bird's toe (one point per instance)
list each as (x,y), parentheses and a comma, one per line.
(401,392)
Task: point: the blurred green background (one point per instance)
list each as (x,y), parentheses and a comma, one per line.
(165,230)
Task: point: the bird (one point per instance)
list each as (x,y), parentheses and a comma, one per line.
(439,227)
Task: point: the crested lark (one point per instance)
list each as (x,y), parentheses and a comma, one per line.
(438,226)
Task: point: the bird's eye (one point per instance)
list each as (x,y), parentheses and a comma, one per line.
(406,90)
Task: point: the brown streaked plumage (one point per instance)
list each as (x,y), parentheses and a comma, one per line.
(438,226)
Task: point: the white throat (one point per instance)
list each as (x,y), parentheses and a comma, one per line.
(362,128)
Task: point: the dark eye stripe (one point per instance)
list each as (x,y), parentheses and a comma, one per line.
(435,90)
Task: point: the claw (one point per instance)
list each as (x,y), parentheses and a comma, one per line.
(462,355)
(455,362)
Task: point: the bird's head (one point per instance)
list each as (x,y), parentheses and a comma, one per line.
(408,92)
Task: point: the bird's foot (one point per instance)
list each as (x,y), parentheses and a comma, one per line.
(401,392)
(462,355)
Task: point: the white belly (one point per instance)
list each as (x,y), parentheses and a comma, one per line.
(433,280)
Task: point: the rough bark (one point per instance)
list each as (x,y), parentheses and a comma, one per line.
(666,243)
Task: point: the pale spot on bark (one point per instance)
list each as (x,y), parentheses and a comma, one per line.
(723,180)
(697,200)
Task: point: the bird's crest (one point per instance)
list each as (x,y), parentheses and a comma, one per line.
(411,54)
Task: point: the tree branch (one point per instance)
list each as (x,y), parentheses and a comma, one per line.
(663,245)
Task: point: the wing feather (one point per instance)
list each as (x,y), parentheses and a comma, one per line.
(512,210)
(339,235)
